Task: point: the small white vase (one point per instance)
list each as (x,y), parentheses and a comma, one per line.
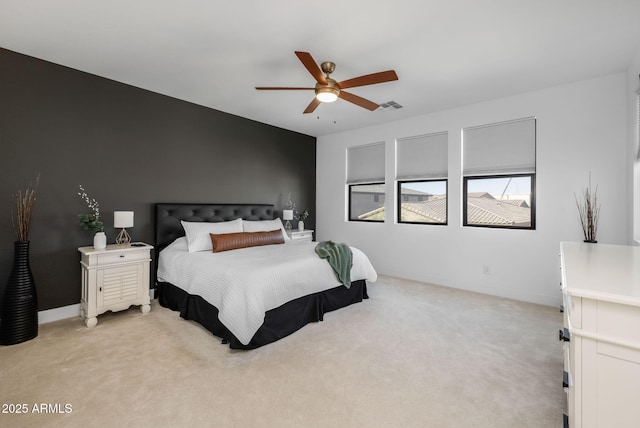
(99,241)
(300,225)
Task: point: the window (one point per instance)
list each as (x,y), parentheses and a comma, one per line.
(366,202)
(365,181)
(422,202)
(499,175)
(499,201)
(421,173)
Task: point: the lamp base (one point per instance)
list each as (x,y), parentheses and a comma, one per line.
(123,238)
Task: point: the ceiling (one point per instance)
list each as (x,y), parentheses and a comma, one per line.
(213,53)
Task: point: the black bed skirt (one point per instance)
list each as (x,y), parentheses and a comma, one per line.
(278,322)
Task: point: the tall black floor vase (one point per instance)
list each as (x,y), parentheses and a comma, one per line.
(20,304)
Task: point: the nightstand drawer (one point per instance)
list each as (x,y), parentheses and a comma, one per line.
(303,235)
(111,257)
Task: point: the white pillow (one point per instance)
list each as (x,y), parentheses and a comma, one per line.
(197,232)
(180,244)
(264,226)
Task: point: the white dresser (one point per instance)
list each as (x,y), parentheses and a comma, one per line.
(114,279)
(601,293)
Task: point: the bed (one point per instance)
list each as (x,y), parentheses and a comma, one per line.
(283,287)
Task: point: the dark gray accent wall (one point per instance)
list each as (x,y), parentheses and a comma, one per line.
(129,148)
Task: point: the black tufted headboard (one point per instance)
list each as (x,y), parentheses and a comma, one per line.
(168,217)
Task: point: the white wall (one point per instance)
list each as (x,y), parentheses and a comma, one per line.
(581,127)
(633,84)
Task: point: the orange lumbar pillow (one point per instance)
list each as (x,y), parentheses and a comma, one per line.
(233,241)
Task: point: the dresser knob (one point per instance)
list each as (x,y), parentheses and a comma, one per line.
(122,256)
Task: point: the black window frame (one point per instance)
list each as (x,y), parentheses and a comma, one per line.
(532,207)
(399,201)
(350,186)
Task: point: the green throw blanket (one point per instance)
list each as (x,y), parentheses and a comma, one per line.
(340,259)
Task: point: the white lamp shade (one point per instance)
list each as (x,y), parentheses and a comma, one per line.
(287,214)
(122,219)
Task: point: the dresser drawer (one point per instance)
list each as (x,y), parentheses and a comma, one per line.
(617,321)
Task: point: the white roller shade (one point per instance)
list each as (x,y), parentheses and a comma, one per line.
(425,156)
(365,164)
(501,148)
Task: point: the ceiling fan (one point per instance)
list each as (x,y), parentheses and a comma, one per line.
(328,90)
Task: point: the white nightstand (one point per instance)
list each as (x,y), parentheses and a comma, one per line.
(301,235)
(114,279)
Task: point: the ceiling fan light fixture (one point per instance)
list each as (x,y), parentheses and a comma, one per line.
(327,94)
(328,90)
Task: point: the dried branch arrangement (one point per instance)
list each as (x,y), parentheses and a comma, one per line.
(589,211)
(21,219)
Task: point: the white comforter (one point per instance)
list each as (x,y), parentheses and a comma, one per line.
(244,284)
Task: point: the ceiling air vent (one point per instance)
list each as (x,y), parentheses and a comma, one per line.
(389,105)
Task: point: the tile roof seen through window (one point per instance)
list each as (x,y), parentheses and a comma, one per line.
(483,209)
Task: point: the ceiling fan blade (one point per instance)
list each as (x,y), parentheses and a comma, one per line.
(312,106)
(359,101)
(369,79)
(275,88)
(310,64)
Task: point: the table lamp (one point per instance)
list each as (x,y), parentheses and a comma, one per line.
(122,220)
(287,215)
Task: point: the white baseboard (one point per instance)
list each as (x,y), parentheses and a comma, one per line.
(70,311)
(56,314)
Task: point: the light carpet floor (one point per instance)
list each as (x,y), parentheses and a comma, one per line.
(413,355)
